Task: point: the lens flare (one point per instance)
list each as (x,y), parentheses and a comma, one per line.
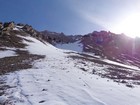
(129,26)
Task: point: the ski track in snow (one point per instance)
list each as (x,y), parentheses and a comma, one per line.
(56,81)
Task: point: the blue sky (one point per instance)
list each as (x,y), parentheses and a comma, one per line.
(68,16)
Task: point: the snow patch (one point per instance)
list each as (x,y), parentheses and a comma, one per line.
(16,29)
(76,46)
(119,64)
(7,53)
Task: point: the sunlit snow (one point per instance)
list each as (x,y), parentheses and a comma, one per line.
(7,53)
(56,81)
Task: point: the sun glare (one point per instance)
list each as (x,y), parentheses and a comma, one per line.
(129,26)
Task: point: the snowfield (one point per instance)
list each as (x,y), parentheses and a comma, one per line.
(76,46)
(56,80)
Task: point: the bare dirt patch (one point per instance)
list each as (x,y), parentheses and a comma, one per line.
(22,61)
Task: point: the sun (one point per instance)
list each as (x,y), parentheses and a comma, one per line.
(129,26)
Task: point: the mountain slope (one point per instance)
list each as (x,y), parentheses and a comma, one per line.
(117,47)
(13,52)
(65,77)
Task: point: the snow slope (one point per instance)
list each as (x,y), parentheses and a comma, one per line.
(76,46)
(56,80)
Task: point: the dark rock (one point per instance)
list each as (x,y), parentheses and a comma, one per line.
(49,80)
(56,38)
(20,24)
(44,89)
(83,69)
(1,25)
(7,27)
(42,101)
(129,85)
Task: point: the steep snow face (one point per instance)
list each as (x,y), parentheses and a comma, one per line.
(76,46)
(56,80)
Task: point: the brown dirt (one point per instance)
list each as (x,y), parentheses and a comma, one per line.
(22,61)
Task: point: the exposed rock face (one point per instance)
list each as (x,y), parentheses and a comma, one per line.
(31,31)
(7,27)
(1,25)
(27,27)
(105,44)
(54,37)
(20,24)
(110,45)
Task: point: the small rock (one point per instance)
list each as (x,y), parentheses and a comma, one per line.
(44,89)
(42,101)
(129,85)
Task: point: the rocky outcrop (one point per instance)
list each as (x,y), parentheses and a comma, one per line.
(1,25)
(7,27)
(111,45)
(20,24)
(57,38)
(27,28)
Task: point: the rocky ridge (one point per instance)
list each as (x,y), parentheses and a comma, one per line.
(11,41)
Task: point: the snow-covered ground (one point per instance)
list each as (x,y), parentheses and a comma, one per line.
(7,53)
(119,64)
(76,46)
(56,80)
